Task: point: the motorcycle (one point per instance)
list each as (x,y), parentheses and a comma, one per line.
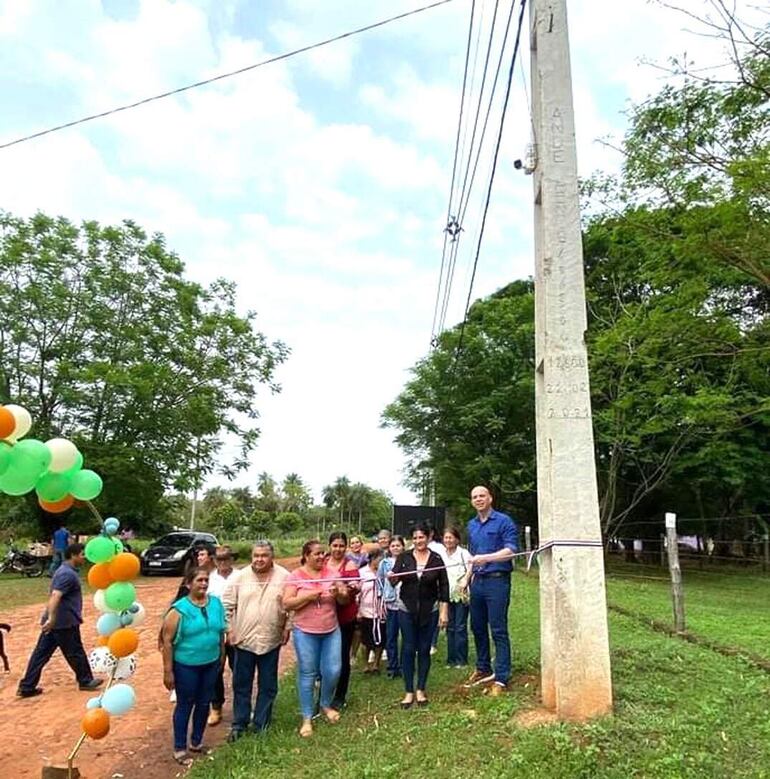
(19,561)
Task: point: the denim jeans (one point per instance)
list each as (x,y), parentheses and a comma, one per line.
(56,561)
(245,665)
(318,654)
(218,698)
(391,641)
(457,635)
(346,640)
(489,613)
(194,686)
(71,645)
(416,640)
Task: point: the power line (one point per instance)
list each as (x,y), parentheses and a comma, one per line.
(468,187)
(454,170)
(223,76)
(492,176)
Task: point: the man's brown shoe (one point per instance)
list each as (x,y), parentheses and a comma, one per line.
(479,677)
(498,688)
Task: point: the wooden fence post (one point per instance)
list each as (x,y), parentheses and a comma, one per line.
(662,550)
(766,552)
(677,592)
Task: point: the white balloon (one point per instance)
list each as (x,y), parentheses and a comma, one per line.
(140,616)
(126,667)
(23,422)
(64,454)
(101,660)
(101,605)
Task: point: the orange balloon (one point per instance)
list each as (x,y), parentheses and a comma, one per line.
(124,567)
(56,506)
(102,640)
(123,642)
(99,576)
(7,422)
(96,723)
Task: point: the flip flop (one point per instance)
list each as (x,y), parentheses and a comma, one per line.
(200,749)
(182,758)
(306,731)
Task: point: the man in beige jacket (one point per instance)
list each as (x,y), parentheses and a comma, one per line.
(258,628)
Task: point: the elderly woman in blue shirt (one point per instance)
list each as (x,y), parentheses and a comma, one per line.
(193,650)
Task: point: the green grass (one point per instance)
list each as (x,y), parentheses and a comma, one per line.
(727,606)
(17,590)
(681,710)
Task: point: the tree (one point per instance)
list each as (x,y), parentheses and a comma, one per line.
(227,519)
(296,496)
(288,522)
(268,498)
(103,338)
(467,416)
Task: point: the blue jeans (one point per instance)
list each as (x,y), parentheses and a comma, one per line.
(318,654)
(416,640)
(246,663)
(391,641)
(56,561)
(489,613)
(457,635)
(194,686)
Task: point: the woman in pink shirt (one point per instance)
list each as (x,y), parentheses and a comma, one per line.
(317,643)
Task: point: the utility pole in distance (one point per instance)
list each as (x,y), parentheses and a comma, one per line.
(575,660)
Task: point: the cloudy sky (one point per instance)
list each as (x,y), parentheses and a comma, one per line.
(319,183)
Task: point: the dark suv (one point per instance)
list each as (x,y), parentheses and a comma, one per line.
(169,555)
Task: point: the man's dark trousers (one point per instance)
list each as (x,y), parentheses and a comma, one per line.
(71,645)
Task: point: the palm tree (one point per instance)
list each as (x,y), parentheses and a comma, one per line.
(296,496)
(360,495)
(342,496)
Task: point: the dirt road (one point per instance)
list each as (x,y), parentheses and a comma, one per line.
(39,731)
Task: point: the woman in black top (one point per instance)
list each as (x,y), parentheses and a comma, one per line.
(425,597)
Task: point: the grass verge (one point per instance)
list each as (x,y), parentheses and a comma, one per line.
(681,711)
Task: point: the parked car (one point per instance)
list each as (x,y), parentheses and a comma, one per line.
(169,554)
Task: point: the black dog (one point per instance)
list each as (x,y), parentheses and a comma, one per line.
(3,627)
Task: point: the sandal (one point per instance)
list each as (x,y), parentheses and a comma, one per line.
(182,757)
(306,730)
(332,716)
(200,749)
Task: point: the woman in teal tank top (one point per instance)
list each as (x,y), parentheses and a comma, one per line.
(193,650)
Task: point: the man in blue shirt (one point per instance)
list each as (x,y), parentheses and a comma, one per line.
(60,627)
(492,540)
(61,540)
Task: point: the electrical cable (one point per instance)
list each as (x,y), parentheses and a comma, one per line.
(434,333)
(492,176)
(463,201)
(223,76)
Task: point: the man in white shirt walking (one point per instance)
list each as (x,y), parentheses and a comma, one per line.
(218,578)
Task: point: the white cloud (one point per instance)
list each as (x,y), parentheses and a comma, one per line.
(325,202)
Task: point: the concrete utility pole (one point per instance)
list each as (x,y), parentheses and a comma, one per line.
(575,660)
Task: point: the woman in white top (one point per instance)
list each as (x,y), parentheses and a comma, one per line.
(456,559)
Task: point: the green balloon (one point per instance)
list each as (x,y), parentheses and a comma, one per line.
(32,457)
(76,467)
(100,550)
(118,545)
(5,456)
(86,485)
(120,595)
(14,482)
(53,486)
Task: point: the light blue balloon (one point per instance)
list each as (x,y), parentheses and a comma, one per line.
(94,703)
(119,699)
(107,624)
(126,619)
(111,526)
